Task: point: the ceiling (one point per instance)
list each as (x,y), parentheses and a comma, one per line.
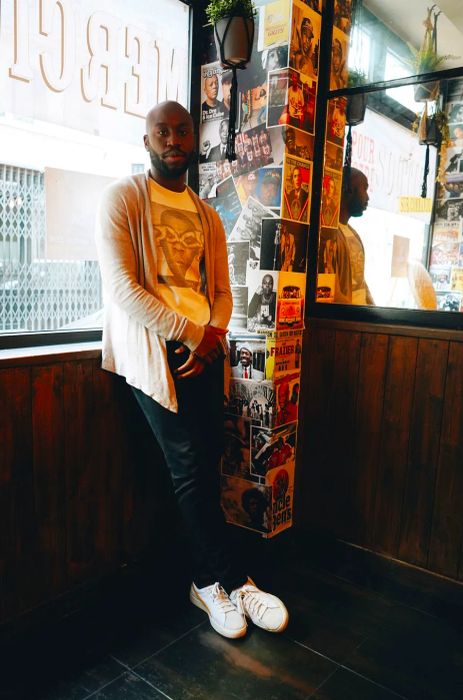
(406,20)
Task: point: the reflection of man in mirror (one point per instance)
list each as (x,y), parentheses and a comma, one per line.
(351,287)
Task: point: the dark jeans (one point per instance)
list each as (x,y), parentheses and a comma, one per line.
(192,443)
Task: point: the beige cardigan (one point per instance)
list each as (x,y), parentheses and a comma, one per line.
(136,324)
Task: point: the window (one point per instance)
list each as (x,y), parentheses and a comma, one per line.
(76,79)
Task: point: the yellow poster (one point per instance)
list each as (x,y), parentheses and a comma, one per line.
(274,24)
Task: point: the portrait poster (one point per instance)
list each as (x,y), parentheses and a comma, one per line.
(283,245)
(333,156)
(331,198)
(263,184)
(281,482)
(238,254)
(262,301)
(290,305)
(247,357)
(297,175)
(287,387)
(227,204)
(239,318)
(254,400)
(456,280)
(210,141)
(207,173)
(298,143)
(274,58)
(336,121)
(245,504)
(271,449)
(440,277)
(283,353)
(326,283)
(273,24)
(248,225)
(277,97)
(327,250)
(342,15)
(237,447)
(305,39)
(338,69)
(212,106)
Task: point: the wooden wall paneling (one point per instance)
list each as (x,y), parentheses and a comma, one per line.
(16,492)
(395,435)
(49,480)
(312,484)
(83,476)
(447,523)
(339,445)
(425,426)
(367,437)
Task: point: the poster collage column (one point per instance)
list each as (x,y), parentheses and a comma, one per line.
(263,199)
(334,154)
(446,261)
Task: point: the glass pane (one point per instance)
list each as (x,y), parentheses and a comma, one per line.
(388,40)
(74,100)
(400,243)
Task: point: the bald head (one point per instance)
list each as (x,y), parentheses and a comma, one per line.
(169,140)
(354,194)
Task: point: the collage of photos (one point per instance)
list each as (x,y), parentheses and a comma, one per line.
(263,199)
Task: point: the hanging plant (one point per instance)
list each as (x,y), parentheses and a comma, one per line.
(356,104)
(433,130)
(426,59)
(233,22)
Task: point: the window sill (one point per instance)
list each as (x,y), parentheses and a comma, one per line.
(44,354)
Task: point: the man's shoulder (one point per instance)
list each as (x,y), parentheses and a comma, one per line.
(125,186)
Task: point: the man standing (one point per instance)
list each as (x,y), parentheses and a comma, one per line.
(244,369)
(262,307)
(297,200)
(351,287)
(164,267)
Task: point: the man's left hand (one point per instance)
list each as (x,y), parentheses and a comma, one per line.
(191,368)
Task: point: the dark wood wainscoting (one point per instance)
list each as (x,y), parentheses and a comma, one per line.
(80,493)
(381,441)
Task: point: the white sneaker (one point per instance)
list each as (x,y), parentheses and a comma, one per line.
(265,610)
(223,615)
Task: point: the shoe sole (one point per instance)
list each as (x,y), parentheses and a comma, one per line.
(281,628)
(230,634)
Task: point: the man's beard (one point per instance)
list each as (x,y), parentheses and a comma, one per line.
(171,172)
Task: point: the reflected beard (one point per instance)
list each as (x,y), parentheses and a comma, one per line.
(171,172)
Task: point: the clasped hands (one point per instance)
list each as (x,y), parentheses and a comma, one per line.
(209,349)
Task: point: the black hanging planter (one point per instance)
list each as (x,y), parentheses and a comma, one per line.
(234,37)
(356,108)
(426,92)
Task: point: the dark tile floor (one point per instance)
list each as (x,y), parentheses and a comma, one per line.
(146,642)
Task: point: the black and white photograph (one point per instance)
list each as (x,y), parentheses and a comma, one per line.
(239,318)
(252,399)
(213,140)
(262,300)
(238,255)
(283,245)
(249,224)
(247,357)
(277,97)
(207,173)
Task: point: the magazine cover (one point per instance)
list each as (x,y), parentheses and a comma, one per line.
(262,305)
(236,459)
(305,39)
(283,245)
(271,449)
(290,305)
(283,353)
(212,106)
(247,357)
(297,175)
(287,398)
(254,400)
(245,504)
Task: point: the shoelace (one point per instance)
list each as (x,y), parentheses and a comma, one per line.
(220,597)
(250,602)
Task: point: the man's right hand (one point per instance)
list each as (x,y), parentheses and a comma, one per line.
(210,348)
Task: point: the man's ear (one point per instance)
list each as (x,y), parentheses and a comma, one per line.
(145,141)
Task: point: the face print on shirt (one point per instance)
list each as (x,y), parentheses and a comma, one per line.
(179,241)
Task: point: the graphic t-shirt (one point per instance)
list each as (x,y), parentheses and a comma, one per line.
(357,261)
(179,242)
